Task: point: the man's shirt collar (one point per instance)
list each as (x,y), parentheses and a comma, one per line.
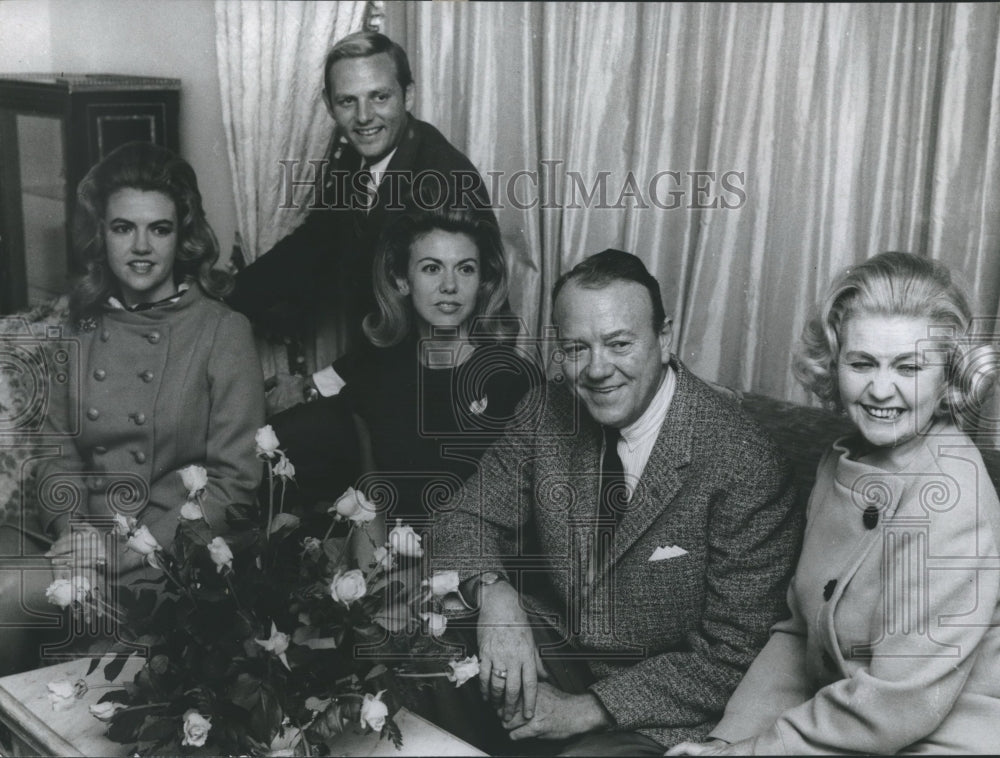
(648,424)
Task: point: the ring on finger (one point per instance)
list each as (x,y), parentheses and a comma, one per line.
(499,673)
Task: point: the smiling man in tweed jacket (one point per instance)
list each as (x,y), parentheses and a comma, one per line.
(621,629)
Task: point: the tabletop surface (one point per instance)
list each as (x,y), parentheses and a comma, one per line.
(25,709)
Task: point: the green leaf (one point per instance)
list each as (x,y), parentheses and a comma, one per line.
(114,668)
(284,524)
(317,704)
(377,670)
(157,729)
(391,732)
(126,723)
(114,696)
(395,619)
(335,549)
(245,691)
(94,663)
(309,636)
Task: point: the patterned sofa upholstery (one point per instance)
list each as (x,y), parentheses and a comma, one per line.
(23,340)
(804,433)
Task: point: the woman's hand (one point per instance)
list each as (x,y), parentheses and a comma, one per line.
(508,659)
(80,553)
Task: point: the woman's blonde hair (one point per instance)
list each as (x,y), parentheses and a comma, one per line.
(900,284)
(149,168)
(393,319)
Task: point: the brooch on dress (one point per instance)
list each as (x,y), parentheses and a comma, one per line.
(86,324)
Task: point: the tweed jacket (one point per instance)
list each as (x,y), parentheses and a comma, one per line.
(894,641)
(158,390)
(319,277)
(667,640)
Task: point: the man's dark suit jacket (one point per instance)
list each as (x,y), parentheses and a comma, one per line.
(321,273)
(667,640)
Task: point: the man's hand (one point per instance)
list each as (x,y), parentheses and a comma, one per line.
(509,663)
(283,391)
(712,747)
(559,715)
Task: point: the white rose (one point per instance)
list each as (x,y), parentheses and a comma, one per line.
(220,553)
(436,623)
(267,442)
(405,541)
(383,557)
(355,506)
(63,693)
(196,728)
(285,741)
(124,525)
(195,478)
(105,711)
(374,712)
(277,643)
(81,586)
(284,468)
(348,587)
(192,511)
(463,671)
(142,541)
(443,583)
(311,545)
(60,593)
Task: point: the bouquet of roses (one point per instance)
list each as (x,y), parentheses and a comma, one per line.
(263,635)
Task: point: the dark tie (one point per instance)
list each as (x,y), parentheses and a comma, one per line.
(364,190)
(614,493)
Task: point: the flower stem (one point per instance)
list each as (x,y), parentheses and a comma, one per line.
(201,505)
(111,610)
(270,495)
(329,531)
(421,676)
(232,589)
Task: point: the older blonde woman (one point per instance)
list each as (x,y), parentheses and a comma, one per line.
(893,645)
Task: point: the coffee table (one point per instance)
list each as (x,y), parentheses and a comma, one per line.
(37,729)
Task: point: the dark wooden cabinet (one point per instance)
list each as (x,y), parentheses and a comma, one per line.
(53,128)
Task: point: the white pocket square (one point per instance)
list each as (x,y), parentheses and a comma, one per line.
(662,553)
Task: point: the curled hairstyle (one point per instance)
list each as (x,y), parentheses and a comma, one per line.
(364,44)
(149,168)
(393,319)
(899,284)
(600,269)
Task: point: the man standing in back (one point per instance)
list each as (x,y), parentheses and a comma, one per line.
(318,279)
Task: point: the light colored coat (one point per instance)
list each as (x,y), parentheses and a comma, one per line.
(667,640)
(155,391)
(894,641)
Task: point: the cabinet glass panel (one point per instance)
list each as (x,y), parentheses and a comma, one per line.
(43,201)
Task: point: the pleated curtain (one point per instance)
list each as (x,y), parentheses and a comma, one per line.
(842,129)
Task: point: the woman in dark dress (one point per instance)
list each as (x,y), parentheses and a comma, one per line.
(442,375)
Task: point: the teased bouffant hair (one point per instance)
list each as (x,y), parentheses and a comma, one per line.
(150,168)
(900,284)
(393,319)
